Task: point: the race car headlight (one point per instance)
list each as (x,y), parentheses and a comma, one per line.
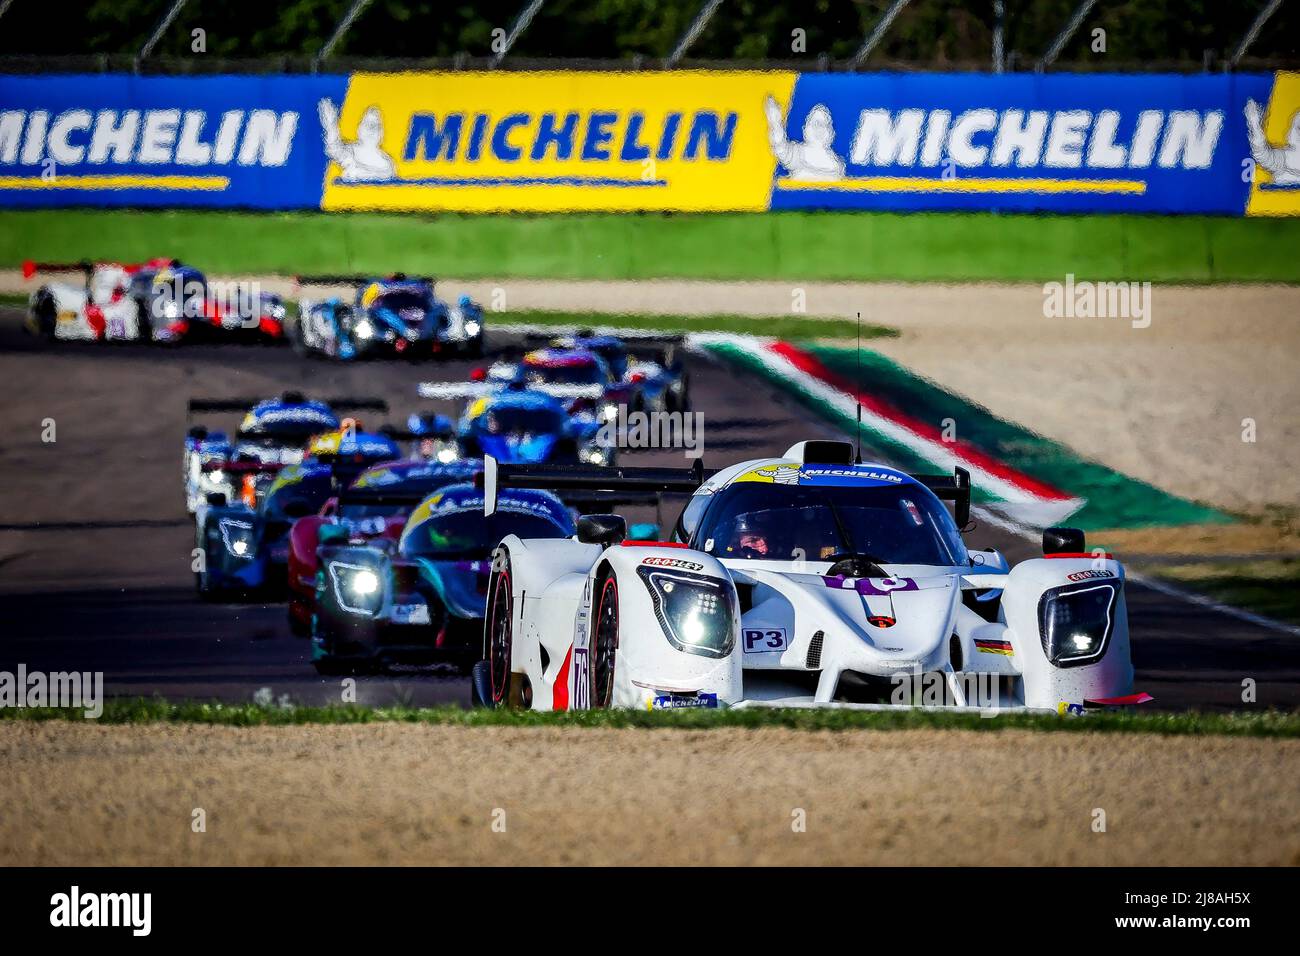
(171,309)
(609,412)
(238,537)
(695,611)
(592,456)
(364,330)
(357,588)
(472,328)
(1075,623)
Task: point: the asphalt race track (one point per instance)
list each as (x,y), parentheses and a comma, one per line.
(95,542)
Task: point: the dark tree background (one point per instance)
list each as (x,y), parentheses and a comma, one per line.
(1144,33)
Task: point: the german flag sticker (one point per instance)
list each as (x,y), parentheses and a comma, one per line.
(994,647)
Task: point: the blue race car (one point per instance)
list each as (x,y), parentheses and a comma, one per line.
(273,433)
(646,370)
(375,505)
(397,316)
(421,601)
(516,423)
(245,550)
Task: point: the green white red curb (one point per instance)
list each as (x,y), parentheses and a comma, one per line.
(1020,497)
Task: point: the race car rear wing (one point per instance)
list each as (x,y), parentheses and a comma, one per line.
(954,488)
(250,467)
(447,391)
(579,478)
(338,403)
(85,266)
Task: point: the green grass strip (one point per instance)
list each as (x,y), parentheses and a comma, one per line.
(795,246)
(156,710)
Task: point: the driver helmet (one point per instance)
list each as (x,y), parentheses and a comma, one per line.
(754,533)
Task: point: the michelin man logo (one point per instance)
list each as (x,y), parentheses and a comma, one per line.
(1283,162)
(781,474)
(362,160)
(813,160)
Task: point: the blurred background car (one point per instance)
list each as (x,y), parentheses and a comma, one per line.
(391,317)
(420,600)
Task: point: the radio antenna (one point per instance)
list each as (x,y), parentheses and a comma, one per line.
(857,397)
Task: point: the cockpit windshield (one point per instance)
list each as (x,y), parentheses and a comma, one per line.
(507,420)
(893,524)
(575,373)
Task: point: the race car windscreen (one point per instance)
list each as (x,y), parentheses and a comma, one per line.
(407,305)
(471,535)
(291,430)
(774,522)
(578,373)
(521,421)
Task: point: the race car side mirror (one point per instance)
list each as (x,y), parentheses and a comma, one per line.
(605,530)
(217,499)
(1063,541)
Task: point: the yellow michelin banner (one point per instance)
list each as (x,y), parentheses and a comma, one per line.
(546,142)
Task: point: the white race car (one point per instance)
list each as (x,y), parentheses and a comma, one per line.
(808,579)
(98,308)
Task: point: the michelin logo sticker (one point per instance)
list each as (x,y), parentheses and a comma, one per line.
(363,160)
(1282,162)
(813,160)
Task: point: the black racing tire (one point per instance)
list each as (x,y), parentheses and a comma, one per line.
(44,315)
(144,325)
(294,333)
(498,630)
(479,684)
(604,641)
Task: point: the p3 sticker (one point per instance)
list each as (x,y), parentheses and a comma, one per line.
(763,640)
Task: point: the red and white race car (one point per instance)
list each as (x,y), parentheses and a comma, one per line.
(159,300)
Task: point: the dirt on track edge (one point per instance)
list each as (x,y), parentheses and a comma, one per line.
(410,794)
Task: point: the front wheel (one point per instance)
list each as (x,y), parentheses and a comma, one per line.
(498,631)
(44,316)
(604,643)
